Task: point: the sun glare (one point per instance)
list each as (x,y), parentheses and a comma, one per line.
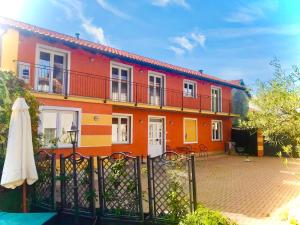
(12,8)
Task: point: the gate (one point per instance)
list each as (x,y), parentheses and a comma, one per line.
(172,186)
(120,192)
(43,195)
(77,185)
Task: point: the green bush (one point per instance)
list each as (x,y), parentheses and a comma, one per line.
(205,216)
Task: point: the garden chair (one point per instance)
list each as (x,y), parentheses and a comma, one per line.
(203,151)
(185,150)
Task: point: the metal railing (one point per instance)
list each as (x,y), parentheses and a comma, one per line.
(75,83)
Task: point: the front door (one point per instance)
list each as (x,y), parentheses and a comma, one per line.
(156,136)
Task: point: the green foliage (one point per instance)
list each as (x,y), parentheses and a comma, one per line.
(205,216)
(240,105)
(10,89)
(277,114)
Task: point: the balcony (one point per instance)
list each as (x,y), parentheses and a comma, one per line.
(119,91)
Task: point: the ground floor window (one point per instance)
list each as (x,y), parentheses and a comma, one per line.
(121,129)
(217,130)
(54,124)
(190,130)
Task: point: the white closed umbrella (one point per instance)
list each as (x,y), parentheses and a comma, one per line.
(19,165)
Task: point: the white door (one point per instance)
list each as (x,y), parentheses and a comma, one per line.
(156,136)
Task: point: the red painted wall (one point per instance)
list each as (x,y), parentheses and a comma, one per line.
(174,130)
(93,86)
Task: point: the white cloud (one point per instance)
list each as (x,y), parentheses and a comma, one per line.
(164,3)
(253,11)
(105,5)
(75,7)
(184,43)
(187,43)
(199,38)
(176,50)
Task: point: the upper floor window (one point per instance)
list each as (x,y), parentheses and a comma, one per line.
(51,71)
(217,130)
(121,82)
(189,89)
(216,99)
(55,123)
(156,88)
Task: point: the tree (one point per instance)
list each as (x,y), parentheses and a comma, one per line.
(277,113)
(10,88)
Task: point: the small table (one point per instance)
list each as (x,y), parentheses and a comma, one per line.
(25,218)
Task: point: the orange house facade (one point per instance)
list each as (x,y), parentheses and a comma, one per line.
(118,100)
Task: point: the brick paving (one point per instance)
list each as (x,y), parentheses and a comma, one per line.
(252,192)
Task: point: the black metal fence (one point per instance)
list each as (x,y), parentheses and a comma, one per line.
(120,188)
(170,183)
(172,189)
(77,185)
(43,195)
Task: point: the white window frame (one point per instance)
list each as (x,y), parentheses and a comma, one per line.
(190,82)
(51,50)
(58,108)
(187,142)
(130,132)
(220,90)
(163,76)
(122,66)
(221,131)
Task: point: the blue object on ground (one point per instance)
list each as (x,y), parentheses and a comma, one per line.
(24,218)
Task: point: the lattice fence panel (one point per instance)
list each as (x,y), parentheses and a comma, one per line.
(120,186)
(172,191)
(77,185)
(43,194)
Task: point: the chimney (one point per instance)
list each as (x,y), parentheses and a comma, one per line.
(77,35)
(201,71)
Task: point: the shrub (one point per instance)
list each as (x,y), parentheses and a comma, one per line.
(205,216)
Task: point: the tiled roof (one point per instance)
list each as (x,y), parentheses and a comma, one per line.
(113,51)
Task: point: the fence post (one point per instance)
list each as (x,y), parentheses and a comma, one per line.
(53,180)
(140,195)
(150,197)
(62,180)
(100,184)
(194,182)
(91,161)
(75,188)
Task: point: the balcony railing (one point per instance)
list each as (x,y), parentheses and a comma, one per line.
(73,83)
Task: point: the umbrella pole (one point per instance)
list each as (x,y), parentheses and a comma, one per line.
(24,197)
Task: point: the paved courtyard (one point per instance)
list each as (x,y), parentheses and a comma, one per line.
(252,192)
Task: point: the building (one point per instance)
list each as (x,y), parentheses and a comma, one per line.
(120,101)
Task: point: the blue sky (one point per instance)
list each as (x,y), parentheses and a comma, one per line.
(229,39)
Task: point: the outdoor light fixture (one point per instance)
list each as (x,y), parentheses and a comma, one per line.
(73,132)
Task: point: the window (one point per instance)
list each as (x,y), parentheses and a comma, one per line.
(156,89)
(120,83)
(24,71)
(121,129)
(189,89)
(55,123)
(217,130)
(190,130)
(216,99)
(51,70)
